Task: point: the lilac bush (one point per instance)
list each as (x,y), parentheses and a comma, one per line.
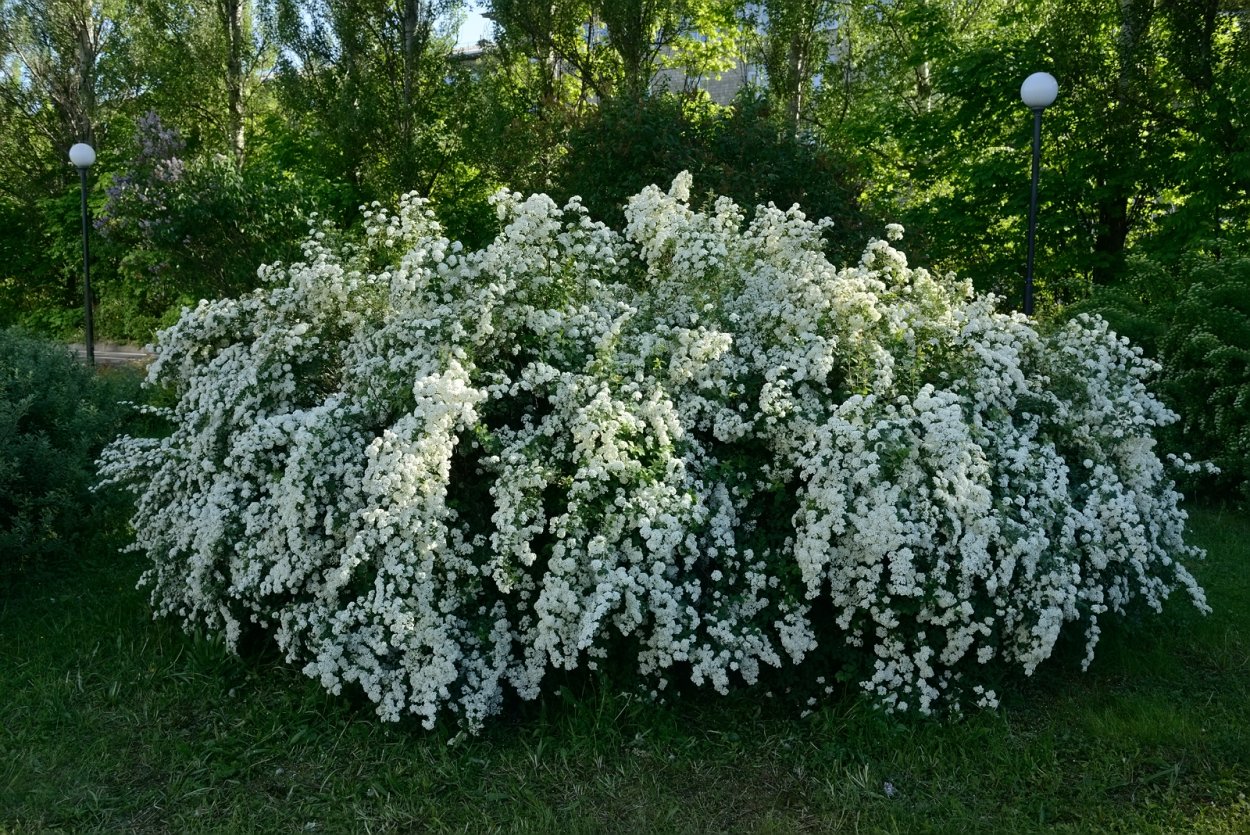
(695,447)
(137,205)
(182,226)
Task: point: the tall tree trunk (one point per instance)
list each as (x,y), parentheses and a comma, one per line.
(1135,19)
(795,46)
(411,22)
(1113,229)
(231,12)
(1121,143)
(924,87)
(88,55)
(414,35)
(798,79)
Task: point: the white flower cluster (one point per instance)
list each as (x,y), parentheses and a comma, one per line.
(437,475)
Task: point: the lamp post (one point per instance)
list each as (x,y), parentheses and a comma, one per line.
(82,156)
(1038,92)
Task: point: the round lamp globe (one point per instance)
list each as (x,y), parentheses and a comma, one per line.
(1039,90)
(82,155)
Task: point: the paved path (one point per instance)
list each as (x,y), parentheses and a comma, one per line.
(109,354)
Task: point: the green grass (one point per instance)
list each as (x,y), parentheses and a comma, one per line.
(113,721)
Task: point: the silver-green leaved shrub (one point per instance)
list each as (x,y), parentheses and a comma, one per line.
(438,475)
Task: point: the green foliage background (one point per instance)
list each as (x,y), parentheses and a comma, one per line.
(871,112)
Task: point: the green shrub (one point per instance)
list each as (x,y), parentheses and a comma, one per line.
(1206,359)
(55,416)
(742,152)
(1139,306)
(1193,316)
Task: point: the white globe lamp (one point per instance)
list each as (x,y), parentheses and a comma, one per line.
(82,156)
(1038,92)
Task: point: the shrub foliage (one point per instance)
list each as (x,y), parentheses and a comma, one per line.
(55,417)
(741,152)
(694,448)
(1193,315)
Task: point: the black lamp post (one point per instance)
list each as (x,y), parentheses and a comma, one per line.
(82,156)
(1038,92)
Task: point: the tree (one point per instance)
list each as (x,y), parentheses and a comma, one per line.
(230,16)
(56,88)
(54,49)
(794,43)
(1134,148)
(741,152)
(368,81)
(200,64)
(614,48)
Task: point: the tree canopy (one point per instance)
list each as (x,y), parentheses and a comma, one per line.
(897,110)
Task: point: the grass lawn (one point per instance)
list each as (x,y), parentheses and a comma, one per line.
(113,721)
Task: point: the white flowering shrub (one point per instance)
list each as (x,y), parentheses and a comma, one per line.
(697,449)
